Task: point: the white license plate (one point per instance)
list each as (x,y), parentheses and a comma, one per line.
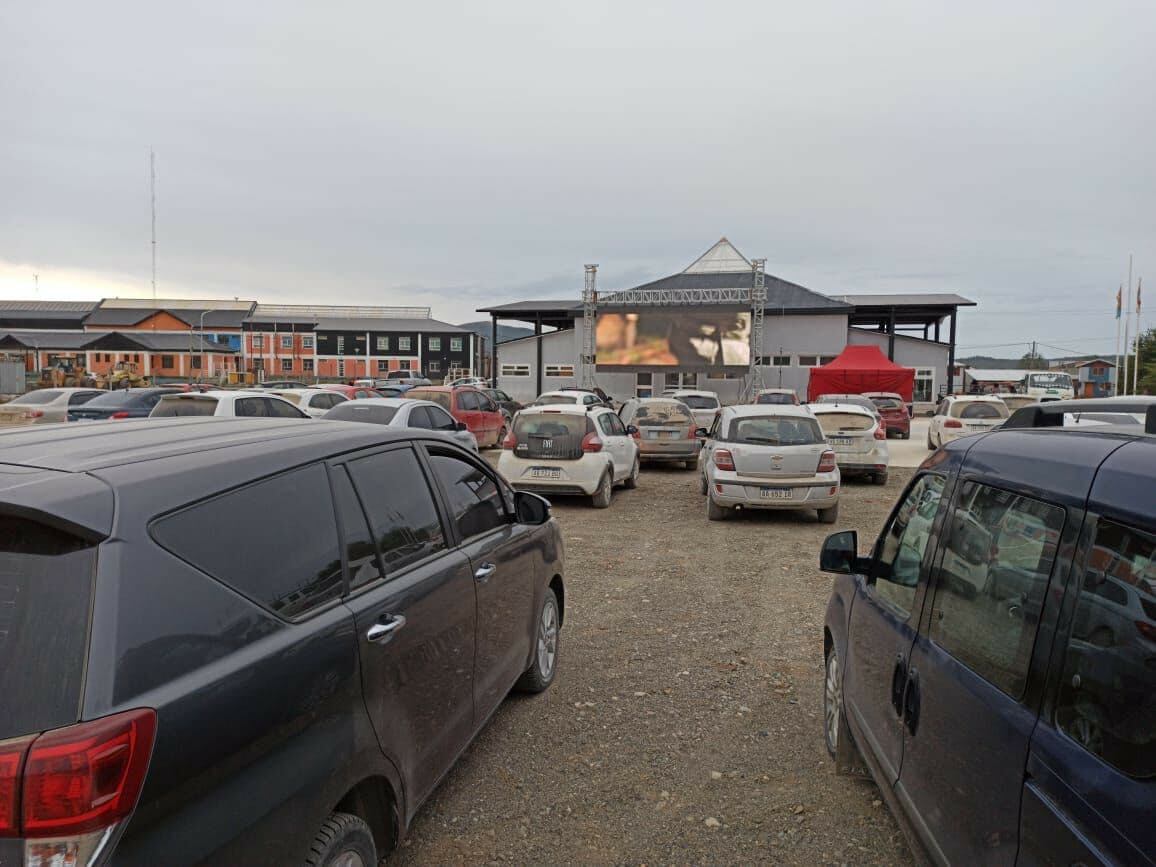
(545,473)
(977,427)
(776,493)
(839,441)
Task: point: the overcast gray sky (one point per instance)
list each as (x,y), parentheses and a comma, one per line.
(461,154)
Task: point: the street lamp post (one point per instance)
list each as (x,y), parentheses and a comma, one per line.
(202,346)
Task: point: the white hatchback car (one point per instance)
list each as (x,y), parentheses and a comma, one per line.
(576,396)
(962,415)
(227,404)
(703,405)
(314,402)
(768,457)
(859,438)
(399,412)
(569,449)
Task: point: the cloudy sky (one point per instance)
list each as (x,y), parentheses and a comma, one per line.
(461,154)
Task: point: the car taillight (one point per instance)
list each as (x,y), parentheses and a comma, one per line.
(690,432)
(591,443)
(511,441)
(11,760)
(1147,629)
(34,413)
(724,460)
(826,463)
(121,414)
(636,433)
(952,422)
(880,432)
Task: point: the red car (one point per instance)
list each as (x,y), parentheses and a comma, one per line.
(895,414)
(478,411)
(353,392)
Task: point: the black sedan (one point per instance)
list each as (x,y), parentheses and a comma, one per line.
(127,403)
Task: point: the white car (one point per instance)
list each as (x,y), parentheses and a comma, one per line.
(314,402)
(768,457)
(399,412)
(475,381)
(45,405)
(859,438)
(569,449)
(962,415)
(703,405)
(780,396)
(577,396)
(1016,401)
(225,404)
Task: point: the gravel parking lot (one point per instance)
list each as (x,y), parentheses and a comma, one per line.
(685,725)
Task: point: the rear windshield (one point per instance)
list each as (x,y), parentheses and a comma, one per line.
(184,406)
(887,403)
(698,402)
(356,410)
(46,580)
(990,409)
(38,397)
(776,399)
(775,431)
(835,422)
(114,399)
(441,398)
(662,412)
(549,424)
(852,401)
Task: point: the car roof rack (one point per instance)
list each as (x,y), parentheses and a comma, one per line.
(1051,414)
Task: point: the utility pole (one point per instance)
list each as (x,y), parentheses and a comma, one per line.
(153,208)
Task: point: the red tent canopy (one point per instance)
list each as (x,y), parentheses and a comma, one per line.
(859,369)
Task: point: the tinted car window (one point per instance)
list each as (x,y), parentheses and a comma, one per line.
(775,431)
(441,419)
(1107,698)
(604,424)
(468,400)
(400,507)
(419,417)
(250,407)
(992,409)
(898,565)
(113,399)
(289,563)
(80,397)
(360,551)
(46,583)
(475,502)
(994,574)
(36,398)
(617,428)
(441,398)
(782,399)
(695,401)
(281,409)
(356,410)
(186,406)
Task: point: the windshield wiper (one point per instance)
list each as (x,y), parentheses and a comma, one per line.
(767,440)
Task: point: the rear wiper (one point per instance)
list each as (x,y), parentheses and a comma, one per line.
(763,440)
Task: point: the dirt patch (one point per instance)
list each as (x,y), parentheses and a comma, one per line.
(686,722)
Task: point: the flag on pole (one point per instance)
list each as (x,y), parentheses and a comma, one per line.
(1119,301)
(1137,296)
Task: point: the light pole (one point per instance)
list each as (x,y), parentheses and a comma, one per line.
(202,346)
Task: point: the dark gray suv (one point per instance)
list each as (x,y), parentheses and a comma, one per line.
(250,641)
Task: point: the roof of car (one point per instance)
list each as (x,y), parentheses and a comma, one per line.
(694,392)
(762,410)
(837,407)
(571,408)
(893,394)
(396,402)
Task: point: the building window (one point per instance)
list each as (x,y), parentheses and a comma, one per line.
(258,363)
(827,359)
(341,345)
(560,370)
(924,384)
(286,365)
(341,367)
(780,361)
(515,370)
(435,344)
(196,362)
(258,341)
(808,361)
(382,365)
(136,358)
(286,341)
(643,381)
(404,344)
(306,342)
(167,361)
(383,344)
(307,365)
(455,344)
(435,366)
(404,364)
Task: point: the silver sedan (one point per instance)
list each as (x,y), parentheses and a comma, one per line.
(404,413)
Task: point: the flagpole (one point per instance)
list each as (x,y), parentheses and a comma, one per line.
(1119,304)
(1136,365)
(1127,323)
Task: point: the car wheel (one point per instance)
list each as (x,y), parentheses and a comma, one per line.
(632,480)
(829,516)
(702,484)
(930,444)
(906,435)
(715,512)
(343,841)
(601,497)
(691,465)
(540,674)
(501,437)
(880,478)
(833,724)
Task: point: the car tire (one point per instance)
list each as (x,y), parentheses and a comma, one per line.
(342,835)
(600,499)
(501,437)
(702,484)
(691,465)
(906,435)
(830,515)
(834,725)
(930,444)
(715,512)
(880,478)
(632,480)
(544,666)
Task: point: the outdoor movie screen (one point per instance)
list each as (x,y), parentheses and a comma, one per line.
(686,338)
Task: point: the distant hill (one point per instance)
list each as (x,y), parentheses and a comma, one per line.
(505,332)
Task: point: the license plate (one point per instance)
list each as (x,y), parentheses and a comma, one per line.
(545,473)
(776,493)
(977,426)
(839,441)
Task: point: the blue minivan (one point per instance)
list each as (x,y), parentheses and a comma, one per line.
(992,662)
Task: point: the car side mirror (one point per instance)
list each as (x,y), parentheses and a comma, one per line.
(840,554)
(702,433)
(460,425)
(530,508)
(631,430)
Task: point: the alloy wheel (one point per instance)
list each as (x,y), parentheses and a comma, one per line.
(832,690)
(547,640)
(348,859)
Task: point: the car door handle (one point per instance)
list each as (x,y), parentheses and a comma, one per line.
(382,630)
(898,683)
(483,572)
(911,701)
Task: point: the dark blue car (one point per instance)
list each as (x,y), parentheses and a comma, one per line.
(120,404)
(992,663)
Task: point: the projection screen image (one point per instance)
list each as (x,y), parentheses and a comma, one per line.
(688,339)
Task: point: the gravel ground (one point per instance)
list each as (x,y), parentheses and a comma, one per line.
(685,725)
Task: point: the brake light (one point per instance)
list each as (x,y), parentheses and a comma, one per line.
(34,413)
(121,414)
(826,462)
(1147,629)
(591,443)
(690,432)
(880,432)
(511,441)
(952,422)
(724,460)
(11,759)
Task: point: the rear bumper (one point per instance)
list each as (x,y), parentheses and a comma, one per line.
(579,477)
(819,492)
(898,426)
(676,450)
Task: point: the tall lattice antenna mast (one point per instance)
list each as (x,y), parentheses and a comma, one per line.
(589,315)
(153,204)
(758,307)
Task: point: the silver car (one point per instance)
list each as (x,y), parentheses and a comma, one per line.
(45,405)
(768,457)
(859,438)
(666,429)
(400,412)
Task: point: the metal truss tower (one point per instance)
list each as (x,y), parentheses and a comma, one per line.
(589,324)
(758,308)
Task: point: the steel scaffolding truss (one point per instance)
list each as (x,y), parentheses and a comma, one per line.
(758,308)
(676,297)
(589,316)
